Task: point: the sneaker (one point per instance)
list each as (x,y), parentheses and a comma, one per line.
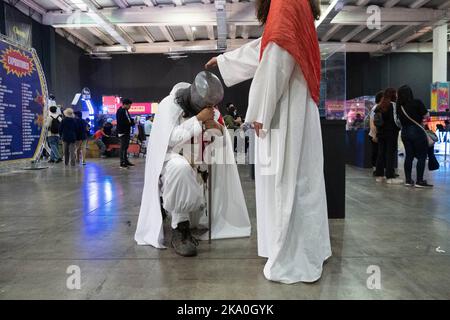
(423,184)
(394,181)
(59,160)
(83,163)
(123,166)
(183,242)
(130,164)
(409,183)
(379,179)
(51,161)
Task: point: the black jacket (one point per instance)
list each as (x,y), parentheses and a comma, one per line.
(68,130)
(81,129)
(124,121)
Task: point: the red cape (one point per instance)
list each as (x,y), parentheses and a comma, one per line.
(290,25)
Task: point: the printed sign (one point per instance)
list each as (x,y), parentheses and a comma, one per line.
(22,96)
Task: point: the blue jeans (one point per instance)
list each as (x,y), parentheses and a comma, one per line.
(416,146)
(53,142)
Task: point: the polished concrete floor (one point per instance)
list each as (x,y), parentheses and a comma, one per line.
(86,216)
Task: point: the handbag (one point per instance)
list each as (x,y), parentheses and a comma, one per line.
(431,136)
(433,164)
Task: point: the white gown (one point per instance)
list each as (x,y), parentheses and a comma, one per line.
(292,222)
(229,211)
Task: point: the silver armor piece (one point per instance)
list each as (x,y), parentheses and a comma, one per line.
(207,90)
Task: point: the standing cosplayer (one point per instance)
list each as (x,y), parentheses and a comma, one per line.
(170,175)
(290,199)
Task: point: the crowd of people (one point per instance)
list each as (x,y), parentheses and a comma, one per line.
(69,129)
(396,111)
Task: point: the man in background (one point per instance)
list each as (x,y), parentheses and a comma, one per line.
(124,124)
(148,126)
(53,122)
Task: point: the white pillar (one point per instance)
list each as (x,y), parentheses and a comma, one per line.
(440,49)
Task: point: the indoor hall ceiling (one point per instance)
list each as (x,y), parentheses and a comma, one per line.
(103,27)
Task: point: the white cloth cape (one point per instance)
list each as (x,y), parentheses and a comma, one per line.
(292,222)
(229,211)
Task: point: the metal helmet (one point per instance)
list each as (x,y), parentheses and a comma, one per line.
(207,90)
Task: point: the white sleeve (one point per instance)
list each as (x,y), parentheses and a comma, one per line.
(269,83)
(184,132)
(240,64)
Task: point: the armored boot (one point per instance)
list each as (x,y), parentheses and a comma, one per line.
(182,240)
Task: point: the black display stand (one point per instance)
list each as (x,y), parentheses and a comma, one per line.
(333,135)
(358,148)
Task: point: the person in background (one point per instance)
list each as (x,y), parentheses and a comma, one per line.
(82,136)
(447,125)
(387,133)
(98,138)
(358,123)
(411,113)
(53,122)
(108,126)
(124,124)
(373,132)
(232,118)
(148,126)
(68,132)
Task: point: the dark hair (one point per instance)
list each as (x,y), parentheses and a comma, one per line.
(405,95)
(126,101)
(379,96)
(183,99)
(148,117)
(78,114)
(385,102)
(263,8)
(229,104)
(53,109)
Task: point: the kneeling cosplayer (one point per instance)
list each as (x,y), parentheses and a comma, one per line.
(172,181)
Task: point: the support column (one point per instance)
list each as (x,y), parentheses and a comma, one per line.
(440,49)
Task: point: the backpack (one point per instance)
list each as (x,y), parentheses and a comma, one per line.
(54,127)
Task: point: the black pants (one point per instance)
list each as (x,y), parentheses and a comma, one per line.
(374,152)
(416,146)
(124,144)
(387,152)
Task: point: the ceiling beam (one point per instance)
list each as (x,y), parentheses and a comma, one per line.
(353,33)
(33,5)
(149,3)
(178,2)
(245,32)
(334,28)
(362,3)
(166,33)
(189,33)
(391,3)
(101,35)
(396,35)
(232,31)
(122,4)
(242,13)
(418,3)
(147,34)
(193,46)
(211,35)
(81,37)
(354,15)
(328,15)
(62,5)
(375,33)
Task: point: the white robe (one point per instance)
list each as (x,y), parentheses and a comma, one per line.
(292,222)
(229,211)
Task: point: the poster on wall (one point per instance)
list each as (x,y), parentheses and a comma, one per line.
(23,92)
(18,27)
(439,96)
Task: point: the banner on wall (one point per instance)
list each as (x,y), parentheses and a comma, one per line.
(23,93)
(18,28)
(112,103)
(439,96)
